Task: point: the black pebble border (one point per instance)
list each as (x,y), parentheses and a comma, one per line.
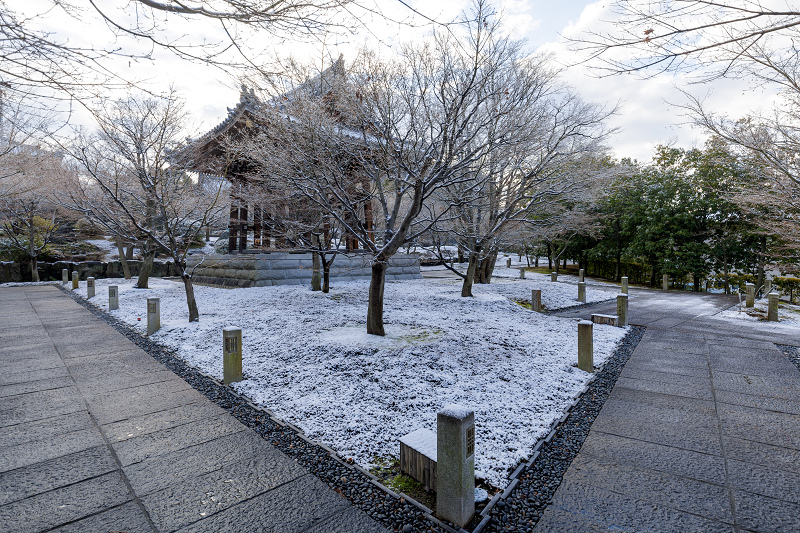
(792,352)
(535,481)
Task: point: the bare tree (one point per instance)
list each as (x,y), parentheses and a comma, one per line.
(711,38)
(135,186)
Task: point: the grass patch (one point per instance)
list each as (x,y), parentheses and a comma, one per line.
(387,470)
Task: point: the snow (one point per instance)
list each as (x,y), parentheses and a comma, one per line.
(788,316)
(423,441)
(455,411)
(108,248)
(307,357)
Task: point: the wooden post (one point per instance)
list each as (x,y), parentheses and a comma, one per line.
(257,227)
(233,227)
(75,282)
(536,300)
(585,348)
(243,227)
(231,355)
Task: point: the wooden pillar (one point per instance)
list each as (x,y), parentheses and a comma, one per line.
(243,227)
(257,226)
(233,226)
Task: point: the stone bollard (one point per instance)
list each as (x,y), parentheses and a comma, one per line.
(581,275)
(153,315)
(622,309)
(508,263)
(64,276)
(90,287)
(113,297)
(231,355)
(75,282)
(585,348)
(772,307)
(767,286)
(750,298)
(582,291)
(553,276)
(536,300)
(665,282)
(455,464)
(624,288)
(521,273)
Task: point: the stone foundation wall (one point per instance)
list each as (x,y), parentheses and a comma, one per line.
(283,268)
(16,272)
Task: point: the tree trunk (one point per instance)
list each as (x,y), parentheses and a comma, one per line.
(618,273)
(326,274)
(469,279)
(487,267)
(727,274)
(762,259)
(549,257)
(194,314)
(375,308)
(147,269)
(123,260)
(32,250)
(316,278)
(34,269)
(129,252)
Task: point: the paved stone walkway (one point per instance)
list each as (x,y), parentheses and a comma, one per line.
(97,436)
(701,432)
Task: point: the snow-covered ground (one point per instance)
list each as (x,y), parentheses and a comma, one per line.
(109,248)
(788,316)
(307,357)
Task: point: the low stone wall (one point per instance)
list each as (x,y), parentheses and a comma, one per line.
(283,268)
(16,272)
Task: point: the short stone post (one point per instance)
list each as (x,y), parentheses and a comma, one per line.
(75,278)
(508,263)
(153,315)
(585,348)
(772,307)
(665,282)
(553,276)
(750,298)
(90,287)
(231,355)
(536,300)
(521,273)
(581,275)
(767,286)
(624,288)
(113,297)
(455,464)
(64,276)
(622,309)
(582,291)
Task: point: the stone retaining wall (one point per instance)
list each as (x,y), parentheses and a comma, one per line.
(283,268)
(16,272)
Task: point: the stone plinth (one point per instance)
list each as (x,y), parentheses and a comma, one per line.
(455,454)
(665,282)
(624,285)
(153,315)
(622,309)
(585,348)
(231,355)
(553,276)
(750,295)
(113,297)
(582,291)
(772,307)
(536,300)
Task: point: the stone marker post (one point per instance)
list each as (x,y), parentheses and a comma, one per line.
(153,315)
(455,464)
(585,348)
(772,307)
(521,273)
(624,288)
(750,291)
(90,287)
(64,276)
(767,286)
(508,263)
(665,282)
(622,309)
(553,276)
(75,278)
(536,300)
(231,355)
(113,297)
(581,273)
(582,291)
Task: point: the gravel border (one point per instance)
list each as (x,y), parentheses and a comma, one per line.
(535,481)
(792,352)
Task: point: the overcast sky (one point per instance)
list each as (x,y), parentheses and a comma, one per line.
(647,114)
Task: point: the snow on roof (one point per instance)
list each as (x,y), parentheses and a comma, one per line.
(422,440)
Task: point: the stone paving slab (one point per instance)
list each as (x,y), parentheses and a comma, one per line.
(701,431)
(96,436)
